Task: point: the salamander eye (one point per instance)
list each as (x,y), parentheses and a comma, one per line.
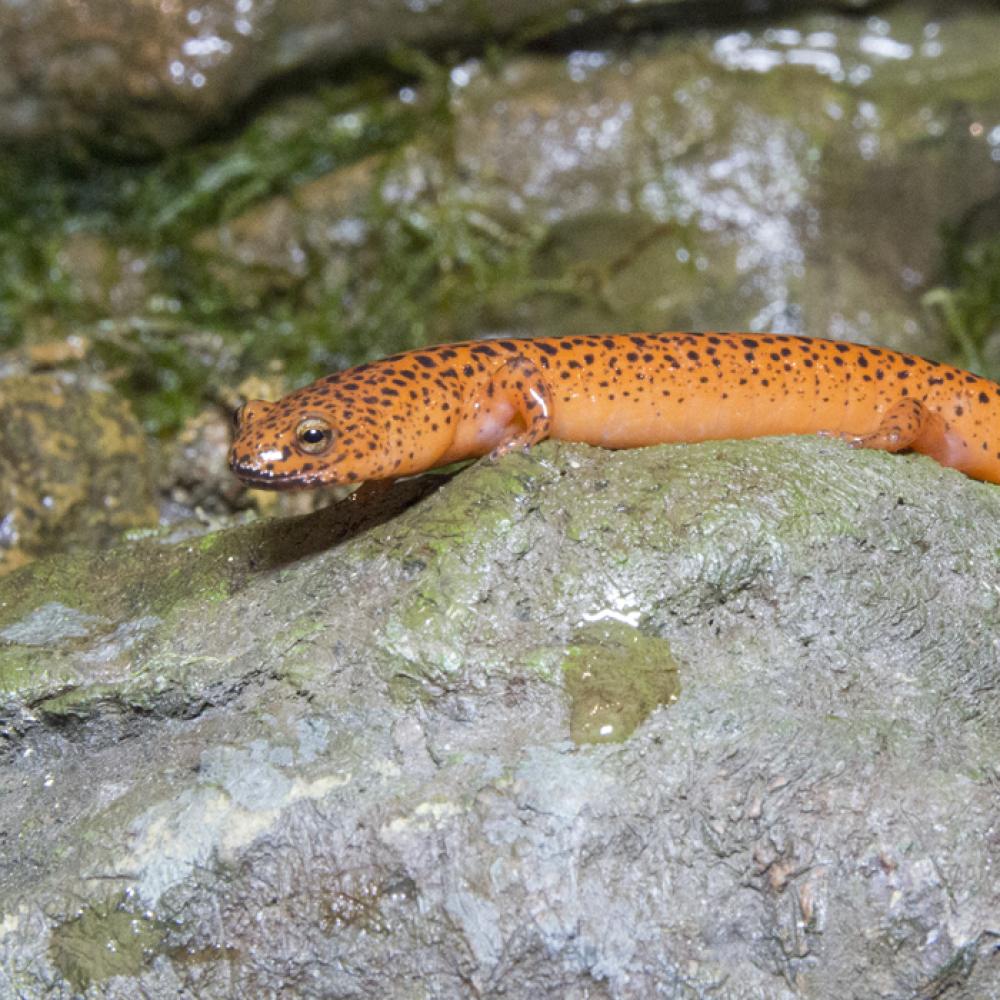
(314,435)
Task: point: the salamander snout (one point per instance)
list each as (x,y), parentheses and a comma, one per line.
(275,447)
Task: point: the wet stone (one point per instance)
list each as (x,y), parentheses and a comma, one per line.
(74,467)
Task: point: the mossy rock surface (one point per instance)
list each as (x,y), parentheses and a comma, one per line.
(350,734)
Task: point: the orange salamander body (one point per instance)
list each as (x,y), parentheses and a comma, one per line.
(429,407)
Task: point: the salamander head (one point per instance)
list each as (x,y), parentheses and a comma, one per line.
(288,445)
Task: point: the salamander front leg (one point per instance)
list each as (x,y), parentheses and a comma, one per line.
(520,384)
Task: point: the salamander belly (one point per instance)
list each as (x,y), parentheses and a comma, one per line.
(648,422)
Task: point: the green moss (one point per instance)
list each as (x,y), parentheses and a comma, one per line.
(168,357)
(969,301)
(436,261)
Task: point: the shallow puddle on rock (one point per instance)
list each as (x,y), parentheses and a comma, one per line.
(113,939)
(615,676)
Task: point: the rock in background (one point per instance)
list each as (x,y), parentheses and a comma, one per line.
(800,174)
(795,178)
(149,75)
(75,468)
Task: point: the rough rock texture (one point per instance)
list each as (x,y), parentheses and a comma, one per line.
(332,756)
(152,74)
(74,466)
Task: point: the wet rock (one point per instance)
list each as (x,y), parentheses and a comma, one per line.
(114,280)
(278,243)
(151,75)
(793,178)
(74,466)
(231,758)
(197,476)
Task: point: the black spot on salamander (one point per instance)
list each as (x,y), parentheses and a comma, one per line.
(632,357)
(749,343)
(902,374)
(907,360)
(546,348)
(387,391)
(843,348)
(983,398)
(566,345)
(588,359)
(426,360)
(507,345)
(483,349)
(468,371)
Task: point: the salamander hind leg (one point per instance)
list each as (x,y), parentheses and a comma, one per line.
(900,426)
(521,384)
(909,424)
